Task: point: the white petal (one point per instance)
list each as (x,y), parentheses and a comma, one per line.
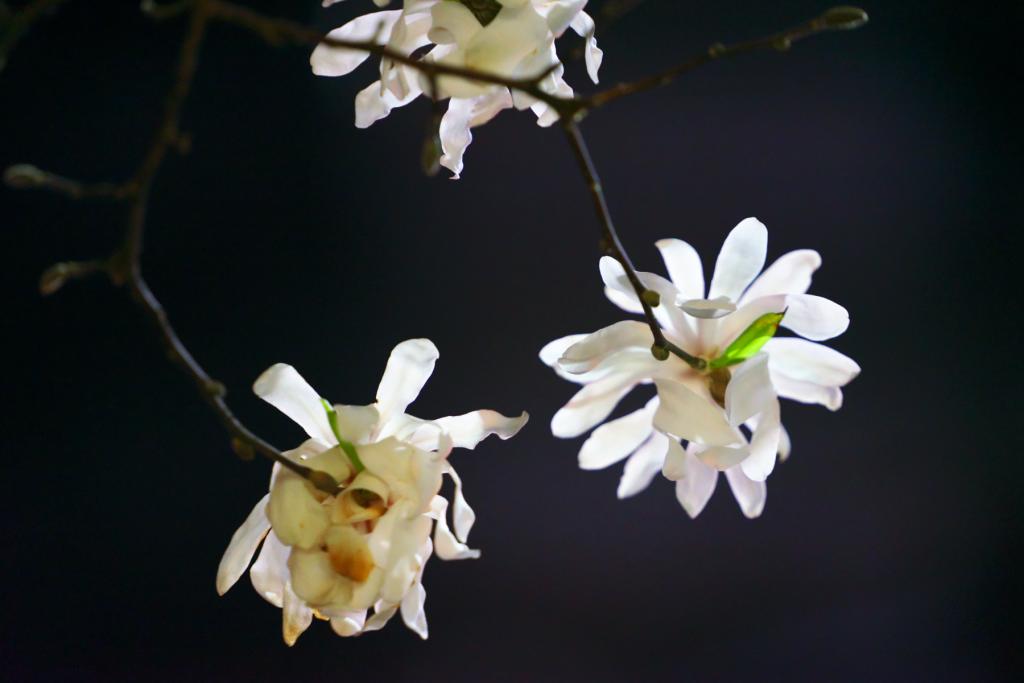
(620,292)
(591,405)
(790,274)
(284,388)
(613,441)
(643,465)
(749,391)
(409,367)
(382,613)
(684,414)
(296,616)
(553,350)
(466,431)
(807,392)
(448,547)
(749,494)
(707,308)
(350,624)
(684,267)
(810,316)
(764,444)
(242,546)
(721,458)
(740,260)
(413,614)
(584,26)
(374,103)
(332,61)
(269,573)
(588,353)
(785,444)
(695,481)
(463,516)
(356,423)
(809,362)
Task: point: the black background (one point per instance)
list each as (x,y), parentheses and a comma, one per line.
(890,540)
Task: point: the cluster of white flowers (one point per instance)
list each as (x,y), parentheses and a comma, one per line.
(515,41)
(336,557)
(355,557)
(747,371)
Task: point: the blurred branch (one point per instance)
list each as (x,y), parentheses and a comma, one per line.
(15,25)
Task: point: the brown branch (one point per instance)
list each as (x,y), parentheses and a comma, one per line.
(835,19)
(612,245)
(19,23)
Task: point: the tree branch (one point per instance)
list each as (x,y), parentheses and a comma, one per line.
(612,245)
(19,23)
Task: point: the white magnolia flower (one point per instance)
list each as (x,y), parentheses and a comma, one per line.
(336,557)
(518,42)
(728,412)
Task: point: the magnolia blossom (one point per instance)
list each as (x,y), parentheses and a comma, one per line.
(336,557)
(727,412)
(517,42)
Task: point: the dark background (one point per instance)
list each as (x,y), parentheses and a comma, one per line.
(890,540)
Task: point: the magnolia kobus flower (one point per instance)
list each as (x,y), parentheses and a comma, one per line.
(727,408)
(337,557)
(509,38)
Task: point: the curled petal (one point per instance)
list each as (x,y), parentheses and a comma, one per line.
(466,431)
(413,613)
(740,260)
(382,613)
(447,546)
(284,388)
(643,465)
(335,61)
(708,308)
(808,392)
(296,616)
(243,546)
(374,103)
(583,25)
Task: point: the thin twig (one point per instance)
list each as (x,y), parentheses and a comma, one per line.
(19,23)
(613,246)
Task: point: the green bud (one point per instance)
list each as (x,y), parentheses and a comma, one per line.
(350,450)
(844,18)
(750,341)
(659,351)
(651,298)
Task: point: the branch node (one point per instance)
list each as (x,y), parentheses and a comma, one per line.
(651,298)
(659,351)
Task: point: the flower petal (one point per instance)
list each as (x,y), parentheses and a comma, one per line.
(684,414)
(466,431)
(695,481)
(296,616)
(740,260)
(409,367)
(269,573)
(764,444)
(749,494)
(349,624)
(809,362)
(810,316)
(413,614)
(243,546)
(620,292)
(583,25)
(707,308)
(807,392)
(684,267)
(591,405)
(749,391)
(785,444)
(374,103)
(447,546)
(334,61)
(790,274)
(588,353)
(284,388)
(613,441)
(721,458)
(643,465)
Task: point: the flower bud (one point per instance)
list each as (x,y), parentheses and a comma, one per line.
(24,176)
(844,18)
